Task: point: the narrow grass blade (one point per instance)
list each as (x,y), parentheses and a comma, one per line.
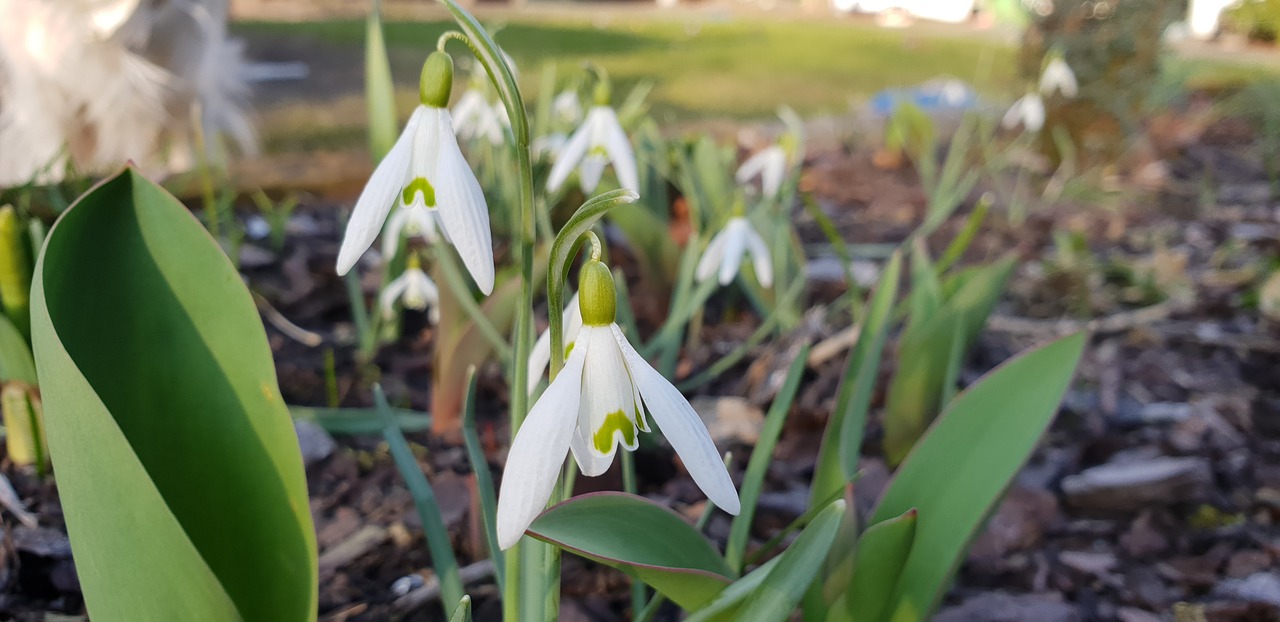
(484,479)
(356,421)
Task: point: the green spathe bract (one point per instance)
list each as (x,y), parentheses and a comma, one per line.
(178,468)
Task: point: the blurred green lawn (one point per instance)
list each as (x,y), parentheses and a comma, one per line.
(738,67)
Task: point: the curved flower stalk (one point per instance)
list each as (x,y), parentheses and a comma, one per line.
(425,170)
(727,250)
(413,289)
(540,356)
(599,141)
(1028,111)
(474,117)
(1057,76)
(770,165)
(596,403)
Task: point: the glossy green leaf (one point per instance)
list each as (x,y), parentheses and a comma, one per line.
(761,456)
(915,393)
(178,468)
(883,550)
(357,421)
(463,611)
(781,591)
(926,290)
(641,538)
(842,440)
(16,362)
(958,470)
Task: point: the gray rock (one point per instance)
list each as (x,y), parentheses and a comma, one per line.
(315,442)
(1131,486)
(42,542)
(1002,607)
(1263,587)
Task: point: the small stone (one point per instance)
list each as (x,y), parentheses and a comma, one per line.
(1087,562)
(1143,539)
(1262,587)
(314,441)
(255,257)
(1018,524)
(1133,614)
(406,584)
(730,419)
(1246,563)
(1002,607)
(42,542)
(1165,412)
(1130,486)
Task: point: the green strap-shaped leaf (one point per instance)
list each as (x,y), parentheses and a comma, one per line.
(15,355)
(177,464)
(883,551)
(641,538)
(959,469)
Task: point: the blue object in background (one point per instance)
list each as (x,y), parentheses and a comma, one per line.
(934,96)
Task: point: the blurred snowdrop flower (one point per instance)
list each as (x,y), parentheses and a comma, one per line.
(566,107)
(728,248)
(425,170)
(596,403)
(770,165)
(408,222)
(1057,76)
(474,117)
(549,146)
(540,356)
(597,142)
(1027,111)
(413,289)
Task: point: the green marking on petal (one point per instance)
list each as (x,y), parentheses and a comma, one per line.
(568,349)
(419,184)
(598,151)
(614,422)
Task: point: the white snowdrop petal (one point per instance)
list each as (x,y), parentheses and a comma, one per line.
(376,199)
(774,170)
(619,149)
(390,294)
(423,285)
(735,244)
(1033,113)
(463,210)
(711,257)
(538,452)
(608,403)
(590,172)
(572,153)
(683,429)
(540,356)
(752,167)
(393,232)
(760,257)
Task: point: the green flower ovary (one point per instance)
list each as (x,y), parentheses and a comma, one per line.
(615,421)
(419,184)
(597,299)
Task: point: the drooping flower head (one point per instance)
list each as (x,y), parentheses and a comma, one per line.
(727,250)
(474,116)
(770,164)
(425,170)
(1057,76)
(413,289)
(1028,111)
(596,404)
(599,141)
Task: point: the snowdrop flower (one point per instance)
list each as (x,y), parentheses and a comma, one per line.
(540,356)
(408,222)
(1057,76)
(1028,111)
(474,117)
(595,404)
(549,146)
(566,107)
(426,170)
(727,249)
(770,165)
(415,290)
(597,142)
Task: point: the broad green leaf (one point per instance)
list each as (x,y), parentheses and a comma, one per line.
(957,471)
(915,393)
(379,89)
(778,595)
(178,467)
(883,550)
(356,421)
(729,601)
(842,440)
(926,290)
(463,612)
(761,456)
(15,355)
(641,538)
